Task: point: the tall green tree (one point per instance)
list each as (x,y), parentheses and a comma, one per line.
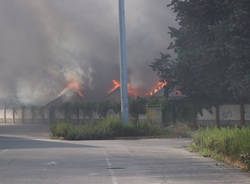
(212,45)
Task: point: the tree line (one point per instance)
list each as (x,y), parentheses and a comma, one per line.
(211,63)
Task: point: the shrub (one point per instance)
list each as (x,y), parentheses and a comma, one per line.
(61,129)
(233,143)
(104,129)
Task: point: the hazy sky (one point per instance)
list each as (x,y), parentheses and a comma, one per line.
(45,43)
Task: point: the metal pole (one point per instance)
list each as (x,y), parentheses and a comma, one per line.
(123,64)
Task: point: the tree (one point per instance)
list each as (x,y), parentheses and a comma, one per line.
(165,68)
(212,46)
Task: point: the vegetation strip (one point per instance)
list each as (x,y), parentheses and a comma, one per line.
(105,129)
(231,145)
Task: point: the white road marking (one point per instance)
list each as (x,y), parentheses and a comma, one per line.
(52,163)
(111,171)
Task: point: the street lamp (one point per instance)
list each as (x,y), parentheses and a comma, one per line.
(123,63)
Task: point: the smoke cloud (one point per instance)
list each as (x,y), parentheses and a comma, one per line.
(44,44)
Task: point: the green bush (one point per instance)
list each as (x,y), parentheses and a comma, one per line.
(224,142)
(61,130)
(104,129)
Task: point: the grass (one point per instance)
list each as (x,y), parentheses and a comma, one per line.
(104,129)
(227,144)
(179,130)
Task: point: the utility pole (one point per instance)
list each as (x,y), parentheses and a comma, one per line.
(123,64)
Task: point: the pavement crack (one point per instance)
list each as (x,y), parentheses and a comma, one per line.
(116,168)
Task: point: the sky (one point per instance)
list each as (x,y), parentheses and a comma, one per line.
(44,44)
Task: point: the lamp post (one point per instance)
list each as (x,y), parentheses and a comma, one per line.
(123,63)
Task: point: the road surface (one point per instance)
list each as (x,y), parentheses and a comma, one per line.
(29,160)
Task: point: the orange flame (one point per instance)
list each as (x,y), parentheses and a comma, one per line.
(132,92)
(157,88)
(75,86)
(116,85)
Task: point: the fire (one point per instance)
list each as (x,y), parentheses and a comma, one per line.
(75,86)
(131,91)
(116,86)
(160,85)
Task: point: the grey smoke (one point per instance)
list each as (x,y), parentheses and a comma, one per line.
(45,43)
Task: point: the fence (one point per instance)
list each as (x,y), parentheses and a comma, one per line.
(154,113)
(226,115)
(22,115)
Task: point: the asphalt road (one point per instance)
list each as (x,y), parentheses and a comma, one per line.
(28,160)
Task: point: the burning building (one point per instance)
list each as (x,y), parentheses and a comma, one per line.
(157,91)
(71,93)
(114,92)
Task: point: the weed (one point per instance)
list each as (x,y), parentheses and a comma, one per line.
(233,143)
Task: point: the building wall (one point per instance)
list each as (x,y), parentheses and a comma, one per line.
(229,115)
(247,112)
